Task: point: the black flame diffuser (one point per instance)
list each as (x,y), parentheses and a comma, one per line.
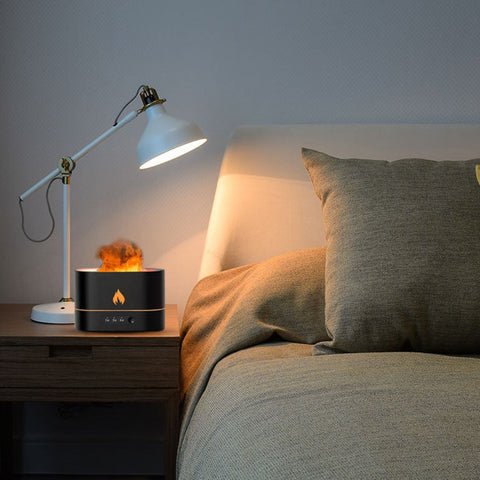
(120,301)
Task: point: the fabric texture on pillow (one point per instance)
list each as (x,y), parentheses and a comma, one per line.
(403,253)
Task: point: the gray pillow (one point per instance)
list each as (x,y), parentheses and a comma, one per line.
(403,253)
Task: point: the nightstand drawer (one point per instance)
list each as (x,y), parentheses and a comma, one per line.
(88,366)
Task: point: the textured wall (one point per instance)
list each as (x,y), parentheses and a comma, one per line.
(68,66)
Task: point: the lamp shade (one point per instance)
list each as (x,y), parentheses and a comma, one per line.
(166,137)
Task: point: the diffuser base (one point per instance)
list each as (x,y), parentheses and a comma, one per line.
(120,320)
(59,313)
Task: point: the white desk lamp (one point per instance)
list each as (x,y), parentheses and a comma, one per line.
(164,139)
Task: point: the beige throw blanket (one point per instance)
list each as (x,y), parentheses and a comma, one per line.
(246,306)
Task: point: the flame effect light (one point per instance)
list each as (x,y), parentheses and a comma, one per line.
(120,256)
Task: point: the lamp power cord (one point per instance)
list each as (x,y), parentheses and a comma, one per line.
(20,203)
(127,104)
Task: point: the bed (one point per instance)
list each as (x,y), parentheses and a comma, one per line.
(334,333)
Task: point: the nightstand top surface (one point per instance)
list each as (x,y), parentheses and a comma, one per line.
(17,328)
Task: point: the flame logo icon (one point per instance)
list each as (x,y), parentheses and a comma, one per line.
(118,298)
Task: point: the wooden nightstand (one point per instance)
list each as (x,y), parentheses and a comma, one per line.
(40,362)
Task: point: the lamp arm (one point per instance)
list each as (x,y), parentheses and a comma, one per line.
(103,136)
(82,152)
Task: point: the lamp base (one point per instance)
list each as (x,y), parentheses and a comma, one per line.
(59,312)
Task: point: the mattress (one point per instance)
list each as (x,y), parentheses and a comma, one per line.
(274,411)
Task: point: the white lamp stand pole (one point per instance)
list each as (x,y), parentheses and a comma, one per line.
(63,311)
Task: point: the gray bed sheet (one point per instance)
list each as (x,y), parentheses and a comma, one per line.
(274,411)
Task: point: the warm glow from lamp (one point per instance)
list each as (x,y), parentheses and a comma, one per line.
(173,153)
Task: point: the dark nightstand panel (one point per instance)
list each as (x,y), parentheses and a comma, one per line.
(43,362)
(89,367)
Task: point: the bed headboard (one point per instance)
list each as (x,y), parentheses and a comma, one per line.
(265,204)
